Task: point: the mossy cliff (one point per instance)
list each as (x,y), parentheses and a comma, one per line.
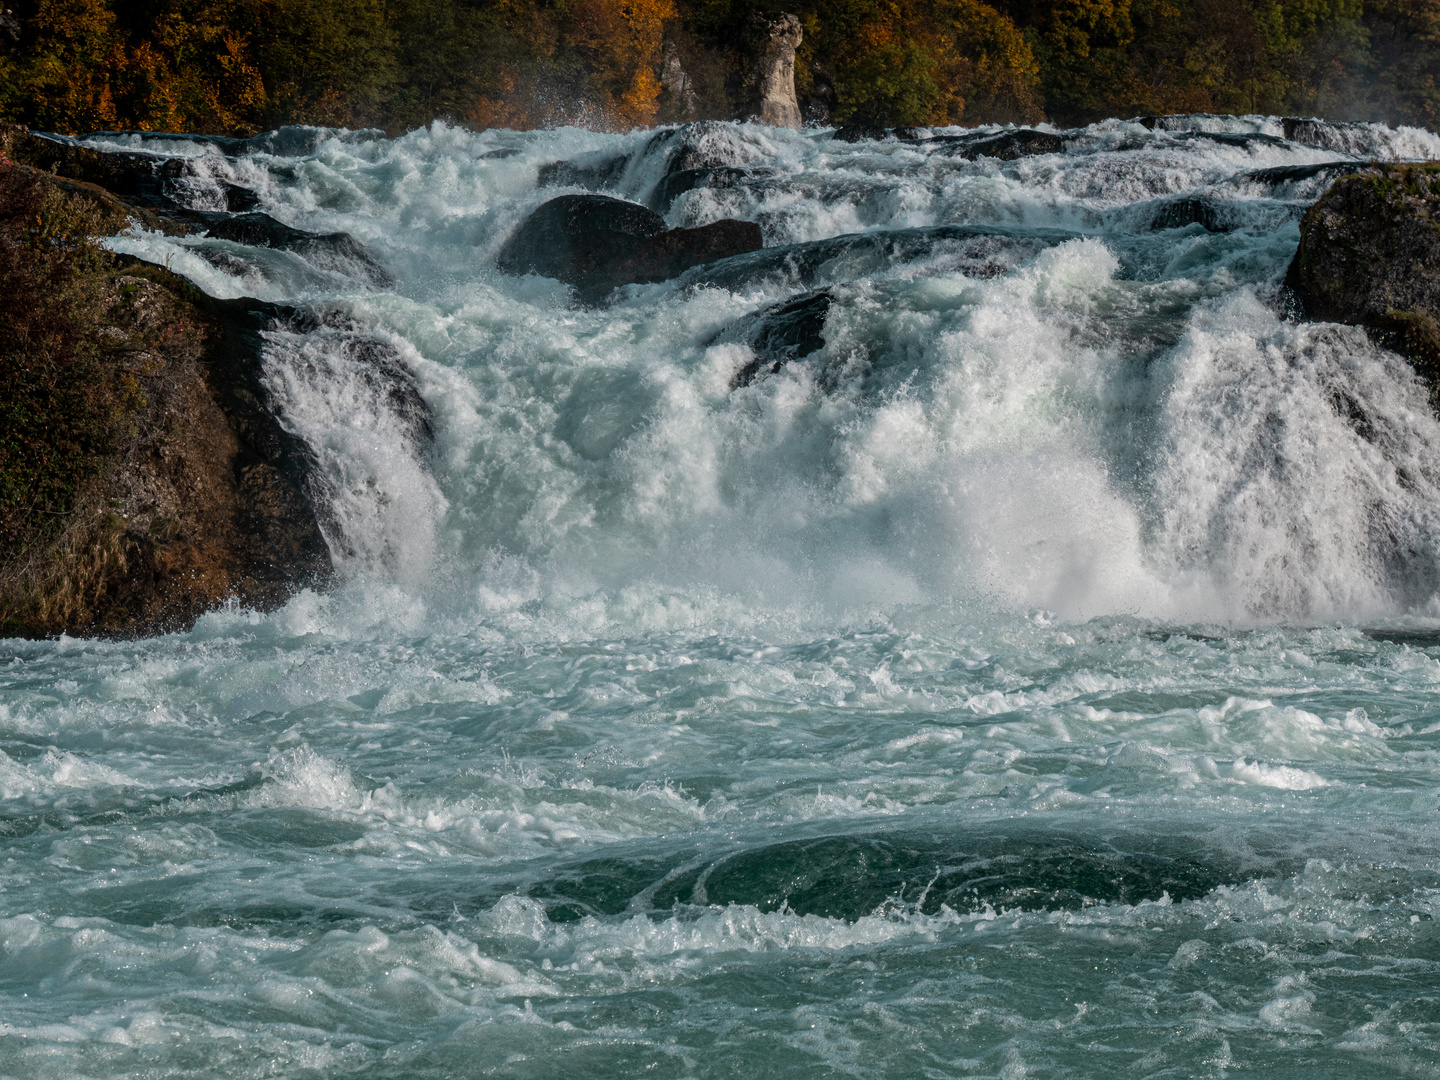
(1369,255)
(142,481)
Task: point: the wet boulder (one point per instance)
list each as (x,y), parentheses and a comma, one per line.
(145,179)
(675,184)
(598,244)
(1006,145)
(857,132)
(789,330)
(593,172)
(710,144)
(1169,122)
(337,251)
(1209,214)
(706,154)
(1294,174)
(1346,138)
(1369,255)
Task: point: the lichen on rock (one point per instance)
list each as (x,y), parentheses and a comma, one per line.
(143,480)
(1369,255)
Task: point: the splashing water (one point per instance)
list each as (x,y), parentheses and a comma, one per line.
(1037,674)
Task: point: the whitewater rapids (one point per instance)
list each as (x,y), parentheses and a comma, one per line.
(1037,679)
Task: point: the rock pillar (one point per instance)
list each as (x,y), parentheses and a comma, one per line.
(776,74)
(677,83)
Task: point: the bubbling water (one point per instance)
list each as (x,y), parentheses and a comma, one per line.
(1093,414)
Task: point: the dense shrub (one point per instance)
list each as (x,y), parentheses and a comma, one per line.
(242,65)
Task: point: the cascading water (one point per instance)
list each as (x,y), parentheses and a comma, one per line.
(1034,677)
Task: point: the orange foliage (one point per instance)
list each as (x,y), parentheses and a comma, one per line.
(640,103)
(71,79)
(192,72)
(621,40)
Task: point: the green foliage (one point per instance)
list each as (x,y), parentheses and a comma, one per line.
(244,65)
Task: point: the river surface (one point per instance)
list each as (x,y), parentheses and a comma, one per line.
(1037,680)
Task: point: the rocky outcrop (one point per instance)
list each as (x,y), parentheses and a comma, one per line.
(776,103)
(597,244)
(675,82)
(1295,174)
(200,500)
(144,179)
(159,192)
(144,475)
(9,32)
(1369,255)
(1346,138)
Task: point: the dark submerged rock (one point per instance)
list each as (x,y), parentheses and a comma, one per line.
(334,251)
(979,251)
(853,133)
(147,179)
(1005,146)
(789,330)
(1369,255)
(594,172)
(676,184)
(1292,174)
(598,244)
(1327,135)
(1211,215)
(1241,139)
(705,154)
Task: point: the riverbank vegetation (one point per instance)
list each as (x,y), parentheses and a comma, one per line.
(239,66)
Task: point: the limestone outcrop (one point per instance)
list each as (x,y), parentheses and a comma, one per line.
(1369,255)
(776,103)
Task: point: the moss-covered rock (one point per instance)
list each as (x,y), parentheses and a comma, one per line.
(1370,256)
(142,478)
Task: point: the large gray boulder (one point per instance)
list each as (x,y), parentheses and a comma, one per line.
(598,244)
(1369,256)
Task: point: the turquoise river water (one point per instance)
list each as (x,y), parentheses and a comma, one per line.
(1040,679)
